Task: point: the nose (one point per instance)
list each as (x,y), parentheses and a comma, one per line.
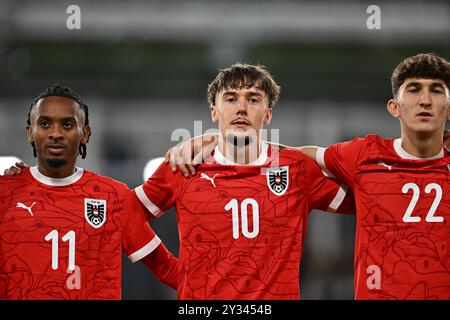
(55,133)
(425,98)
(242,106)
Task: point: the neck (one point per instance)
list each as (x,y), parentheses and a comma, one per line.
(422,145)
(56,173)
(240,153)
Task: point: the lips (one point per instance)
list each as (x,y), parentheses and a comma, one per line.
(240,122)
(425,114)
(55,148)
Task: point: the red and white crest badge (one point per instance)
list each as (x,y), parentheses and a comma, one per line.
(278,179)
(95,212)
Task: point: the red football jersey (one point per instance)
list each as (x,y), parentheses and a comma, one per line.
(402,247)
(63,238)
(241,227)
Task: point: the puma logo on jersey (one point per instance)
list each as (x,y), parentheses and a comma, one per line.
(381,163)
(205,176)
(22,206)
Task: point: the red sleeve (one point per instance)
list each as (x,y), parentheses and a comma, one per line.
(340,160)
(157,194)
(164,265)
(138,239)
(348,205)
(323,192)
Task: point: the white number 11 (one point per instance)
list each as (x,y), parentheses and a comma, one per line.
(69,236)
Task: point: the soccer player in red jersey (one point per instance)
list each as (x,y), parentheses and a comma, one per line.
(242,219)
(401,188)
(63,228)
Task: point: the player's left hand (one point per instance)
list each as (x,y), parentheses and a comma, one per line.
(15,170)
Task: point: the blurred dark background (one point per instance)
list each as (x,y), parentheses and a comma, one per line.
(143,68)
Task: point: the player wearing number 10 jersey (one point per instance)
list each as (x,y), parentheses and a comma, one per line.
(242,218)
(62,229)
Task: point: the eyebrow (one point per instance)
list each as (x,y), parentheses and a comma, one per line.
(251,93)
(44,117)
(418,84)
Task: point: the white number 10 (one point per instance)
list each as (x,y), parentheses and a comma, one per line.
(234,206)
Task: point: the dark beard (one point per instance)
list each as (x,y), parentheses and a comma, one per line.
(239,141)
(56,163)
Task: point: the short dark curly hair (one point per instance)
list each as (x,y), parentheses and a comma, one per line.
(242,75)
(422,65)
(61,91)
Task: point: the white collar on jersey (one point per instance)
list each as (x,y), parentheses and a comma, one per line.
(57,182)
(405,155)
(220,158)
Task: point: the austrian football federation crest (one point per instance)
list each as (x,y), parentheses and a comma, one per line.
(278,180)
(95,212)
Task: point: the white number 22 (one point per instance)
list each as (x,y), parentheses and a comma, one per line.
(416,192)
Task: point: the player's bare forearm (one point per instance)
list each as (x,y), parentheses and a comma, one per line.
(164,265)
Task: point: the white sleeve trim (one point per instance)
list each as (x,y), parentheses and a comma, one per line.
(145,250)
(146,201)
(320,159)
(340,196)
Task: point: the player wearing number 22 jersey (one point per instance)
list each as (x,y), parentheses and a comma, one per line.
(402,248)
(242,227)
(63,238)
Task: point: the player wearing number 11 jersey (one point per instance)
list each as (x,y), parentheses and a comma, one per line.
(63,229)
(63,238)
(242,218)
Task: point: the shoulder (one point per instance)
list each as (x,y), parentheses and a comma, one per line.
(368,139)
(293,155)
(375,143)
(290,156)
(17,179)
(93,177)
(374,138)
(356,144)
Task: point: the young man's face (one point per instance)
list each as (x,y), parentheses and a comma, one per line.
(422,105)
(241,113)
(57,129)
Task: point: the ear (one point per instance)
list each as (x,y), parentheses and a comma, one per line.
(214,115)
(86,135)
(268,116)
(393,108)
(448,108)
(30,134)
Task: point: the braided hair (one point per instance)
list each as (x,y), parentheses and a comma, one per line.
(60,91)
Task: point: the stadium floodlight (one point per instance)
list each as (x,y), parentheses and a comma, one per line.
(7,162)
(151,167)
